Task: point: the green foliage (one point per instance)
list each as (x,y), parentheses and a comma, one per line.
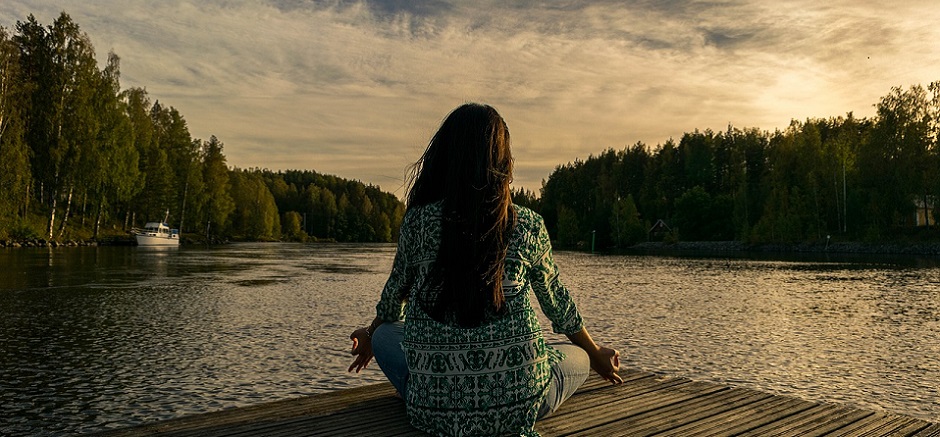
(292,229)
(18,230)
(255,215)
(333,208)
(59,75)
(856,178)
(218,189)
(569,230)
(15,172)
(68,132)
(693,211)
(526,198)
(627,228)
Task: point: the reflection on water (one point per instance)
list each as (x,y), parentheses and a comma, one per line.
(860,332)
(98,338)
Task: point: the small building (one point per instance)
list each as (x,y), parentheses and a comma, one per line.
(923,212)
(659,231)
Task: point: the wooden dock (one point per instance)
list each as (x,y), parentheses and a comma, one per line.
(646,404)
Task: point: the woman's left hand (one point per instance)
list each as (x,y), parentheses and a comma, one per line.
(361,348)
(606,362)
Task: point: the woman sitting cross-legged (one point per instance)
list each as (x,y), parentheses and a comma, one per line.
(455,331)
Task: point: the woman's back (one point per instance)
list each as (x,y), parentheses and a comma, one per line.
(489,379)
(454,331)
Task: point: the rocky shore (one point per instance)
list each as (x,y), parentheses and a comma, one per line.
(116,240)
(924,249)
(65,243)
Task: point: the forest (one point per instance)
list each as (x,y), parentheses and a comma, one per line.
(841,178)
(80,158)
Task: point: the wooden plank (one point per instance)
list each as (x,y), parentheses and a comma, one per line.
(930,431)
(673,416)
(619,408)
(911,428)
(738,420)
(878,424)
(579,403)
(340,422)
(583,410)
(811,423)
(646,404)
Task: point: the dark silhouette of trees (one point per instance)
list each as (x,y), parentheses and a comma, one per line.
(74,145)
(75,148)
(843,177)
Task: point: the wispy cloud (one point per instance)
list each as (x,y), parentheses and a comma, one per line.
(357,88)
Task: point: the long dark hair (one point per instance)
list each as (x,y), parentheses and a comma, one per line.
(468,167)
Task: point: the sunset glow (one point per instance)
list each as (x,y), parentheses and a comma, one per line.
(356,88)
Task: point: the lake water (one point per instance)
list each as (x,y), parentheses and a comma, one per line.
(99,338)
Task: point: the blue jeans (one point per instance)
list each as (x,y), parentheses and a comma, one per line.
(386,346)
(567,375)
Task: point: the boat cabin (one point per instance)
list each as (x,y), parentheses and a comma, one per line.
(156,229)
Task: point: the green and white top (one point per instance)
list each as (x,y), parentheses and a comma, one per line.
(491,379)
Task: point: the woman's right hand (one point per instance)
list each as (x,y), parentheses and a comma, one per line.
(361,349)
(606,362)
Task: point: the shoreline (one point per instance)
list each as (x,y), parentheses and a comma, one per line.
(54,243)
(702,247)
(105,241)
(846,248)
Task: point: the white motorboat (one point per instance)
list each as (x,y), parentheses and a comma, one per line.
(157,234)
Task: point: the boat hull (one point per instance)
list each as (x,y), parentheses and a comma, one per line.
(155,240)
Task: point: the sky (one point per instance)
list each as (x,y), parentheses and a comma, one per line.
(357,88)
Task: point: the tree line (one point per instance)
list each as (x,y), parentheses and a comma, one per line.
(861,179)
(75,146)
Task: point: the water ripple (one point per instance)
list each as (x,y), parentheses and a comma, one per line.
(99,338)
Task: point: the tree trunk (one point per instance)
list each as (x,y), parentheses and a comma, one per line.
(926,212)
(845,203)
(127,217)
(98,218)
(835,185)
(68,208)
(208,219)
(26,201)
(51,218)
(183,206)
(817,213)
(84,206)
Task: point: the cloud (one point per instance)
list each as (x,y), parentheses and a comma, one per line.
(357,88)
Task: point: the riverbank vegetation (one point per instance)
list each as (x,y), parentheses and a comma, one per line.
(82,159)
(870,180)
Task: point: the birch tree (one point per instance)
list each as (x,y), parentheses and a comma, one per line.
(137,108)
(112,162)
(14,155)
(60,66)
(171,134)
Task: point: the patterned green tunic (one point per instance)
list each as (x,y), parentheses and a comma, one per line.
(488,380)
